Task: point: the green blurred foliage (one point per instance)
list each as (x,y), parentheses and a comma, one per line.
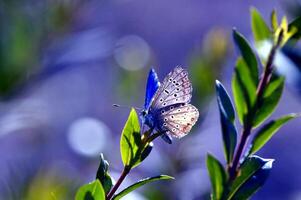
(48,187)
(206,65)
(22,36)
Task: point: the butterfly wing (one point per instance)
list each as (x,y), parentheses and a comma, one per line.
(176,88)
(151,87)
(177,120)
(169,110)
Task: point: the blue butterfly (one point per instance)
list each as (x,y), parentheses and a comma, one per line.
(166,108)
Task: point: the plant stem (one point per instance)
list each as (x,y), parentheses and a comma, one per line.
(243,140)
(259,94)
(125,172)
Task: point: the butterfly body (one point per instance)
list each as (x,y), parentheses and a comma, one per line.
(168,110)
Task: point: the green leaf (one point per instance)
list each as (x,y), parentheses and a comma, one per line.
(247,54)
(91,191)
(139,184)
(103,176)
(274,20)
(244,90)
(267,131)
(269,102)
(260,29)
(227,117)
(253,173)
(130,140)
(297,24)
(217,175)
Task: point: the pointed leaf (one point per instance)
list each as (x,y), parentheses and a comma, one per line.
(130,140)
(270,100)
(91,191)
(297,24)
(247,54)
(260,29)
(102,174)
(139,184)
(227,117)
(274,20)
(252,175)
(224,101)
(244,89)
(217,175)
(267,131)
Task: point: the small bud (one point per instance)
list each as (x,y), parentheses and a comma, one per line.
(146,151)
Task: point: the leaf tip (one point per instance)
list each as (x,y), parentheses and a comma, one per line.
(217,83)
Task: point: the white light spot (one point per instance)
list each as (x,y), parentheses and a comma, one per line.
(88,136)
(132,52)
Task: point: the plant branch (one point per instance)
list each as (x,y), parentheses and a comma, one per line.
(259,94)
(125,172)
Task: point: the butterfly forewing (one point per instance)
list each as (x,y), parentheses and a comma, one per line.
(152,86)
(177,120)
(176,88)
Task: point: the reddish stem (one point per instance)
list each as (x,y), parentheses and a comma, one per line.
(233,168)
(124,173)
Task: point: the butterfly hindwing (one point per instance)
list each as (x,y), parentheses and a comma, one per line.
(176,88)
(177,120)
(151,87)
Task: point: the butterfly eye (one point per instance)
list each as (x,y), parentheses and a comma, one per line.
(162,111)
(175,95)
(161,99)
(174,82)
(170,80)
(171,107)
(164,124)
(165,119)
(173,130)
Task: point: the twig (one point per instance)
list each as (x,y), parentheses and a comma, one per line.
(259,93)
(125,172)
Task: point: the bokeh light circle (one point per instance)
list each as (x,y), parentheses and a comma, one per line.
(88,136)
(132,52)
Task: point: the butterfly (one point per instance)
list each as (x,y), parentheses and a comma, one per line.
(166,107)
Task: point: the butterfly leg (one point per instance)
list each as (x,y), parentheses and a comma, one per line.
(166,138)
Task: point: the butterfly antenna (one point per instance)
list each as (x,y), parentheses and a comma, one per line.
(123,106)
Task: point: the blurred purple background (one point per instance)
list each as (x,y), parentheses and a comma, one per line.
(66,62)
